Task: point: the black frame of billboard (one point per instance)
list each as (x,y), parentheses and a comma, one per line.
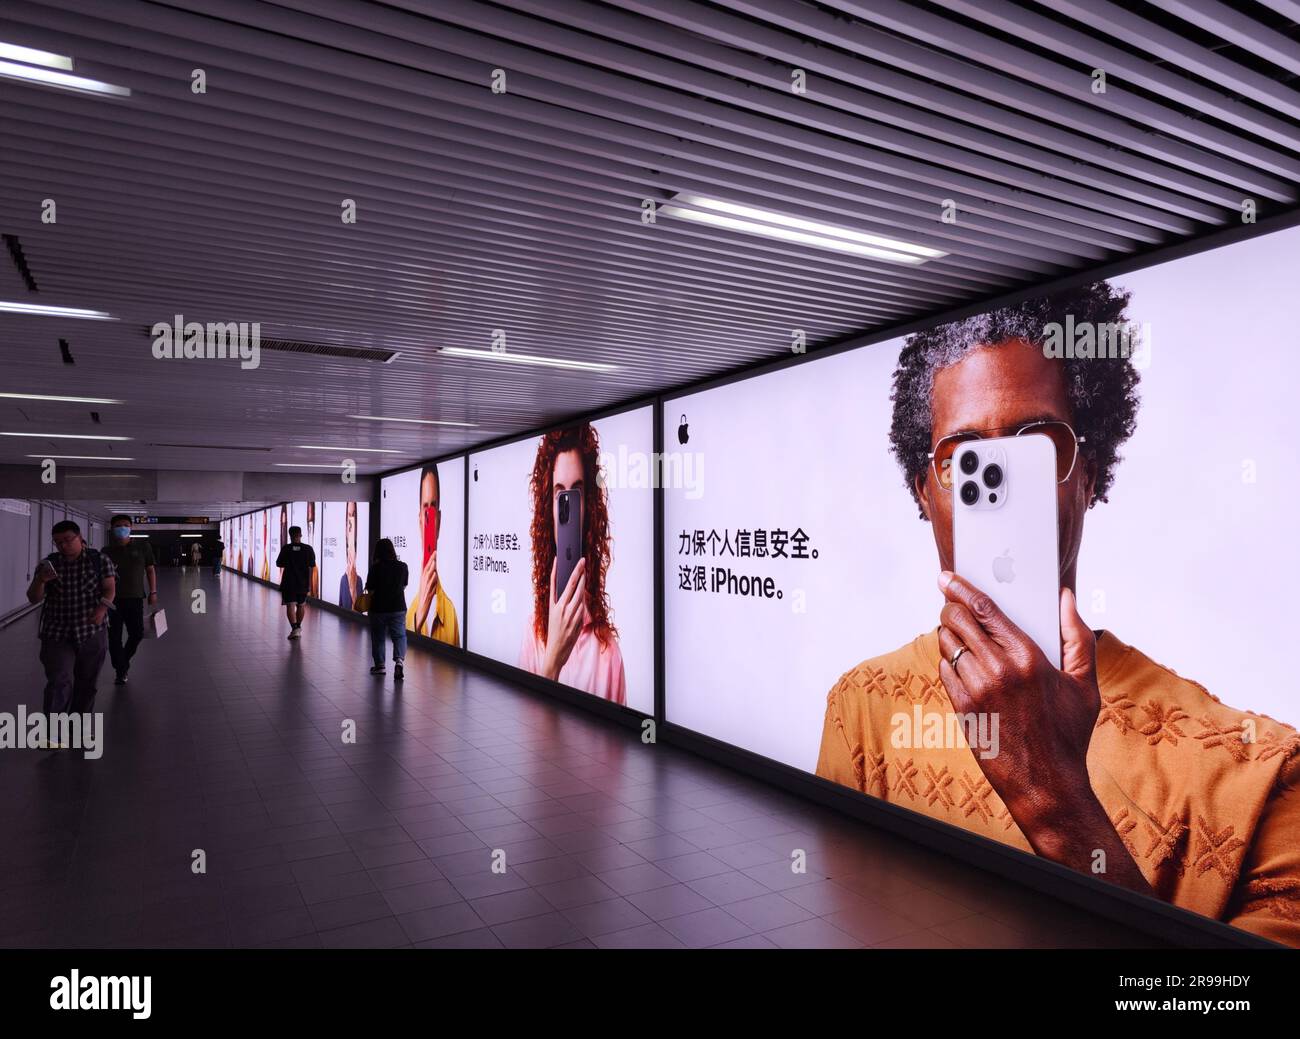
(1146,913)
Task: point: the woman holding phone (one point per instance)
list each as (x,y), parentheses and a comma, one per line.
(432,613)
(572,639)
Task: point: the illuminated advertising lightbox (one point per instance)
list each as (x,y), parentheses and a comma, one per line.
(572,509)
(1109,473)
(422,511)
(345,549)
(302,514)
(246,543)
(279,536)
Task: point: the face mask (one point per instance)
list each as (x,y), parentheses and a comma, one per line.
(121,532)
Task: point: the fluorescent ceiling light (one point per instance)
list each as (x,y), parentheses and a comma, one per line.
(69,400)
(139,535)
(99,458)
(36,309)
(309,465)
(415,421)
(63,436)
(350,450)
(11,51)
(545,362)
(49,78)
(191,535)
(765,222)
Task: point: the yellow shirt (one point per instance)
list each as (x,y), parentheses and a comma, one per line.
(441,623)
(1210,815)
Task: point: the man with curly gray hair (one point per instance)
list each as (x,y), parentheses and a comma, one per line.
(1111,764)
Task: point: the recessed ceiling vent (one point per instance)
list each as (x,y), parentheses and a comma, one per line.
(15,248)
(355,353)
(213,447)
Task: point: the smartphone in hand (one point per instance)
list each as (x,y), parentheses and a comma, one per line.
(430,534)
(568,536)
(1004,531)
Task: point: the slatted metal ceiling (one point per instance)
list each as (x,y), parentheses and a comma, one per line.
(521,211)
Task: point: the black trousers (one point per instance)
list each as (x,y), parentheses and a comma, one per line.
(128,616)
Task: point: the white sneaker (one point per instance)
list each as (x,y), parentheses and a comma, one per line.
(295,633)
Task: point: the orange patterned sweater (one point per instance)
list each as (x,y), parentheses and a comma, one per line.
(1206,798)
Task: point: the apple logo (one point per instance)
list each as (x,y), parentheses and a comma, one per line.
(1004,568)
(683,432)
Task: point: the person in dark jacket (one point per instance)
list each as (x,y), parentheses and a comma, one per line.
(386,584)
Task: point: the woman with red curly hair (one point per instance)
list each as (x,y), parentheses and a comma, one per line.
(572,638)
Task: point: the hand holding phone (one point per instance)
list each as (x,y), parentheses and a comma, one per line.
(565,619)
(46,572)
(425,595)
(1045,714)
(1013,647)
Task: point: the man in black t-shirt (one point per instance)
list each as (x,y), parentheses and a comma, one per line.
(297,561)
(137,577)
(218,553)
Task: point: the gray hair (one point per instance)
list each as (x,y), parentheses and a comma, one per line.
(1102,392)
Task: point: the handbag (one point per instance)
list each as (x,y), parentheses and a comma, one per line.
(157,624)
(362,603)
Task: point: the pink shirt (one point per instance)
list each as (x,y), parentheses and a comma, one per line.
(591,667)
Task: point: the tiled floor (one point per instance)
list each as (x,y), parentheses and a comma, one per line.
(229,739)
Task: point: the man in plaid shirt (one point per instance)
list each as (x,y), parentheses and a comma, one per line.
(77,585)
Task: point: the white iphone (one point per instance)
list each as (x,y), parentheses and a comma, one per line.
(1004,533)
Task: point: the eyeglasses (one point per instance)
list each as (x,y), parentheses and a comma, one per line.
(1061,434)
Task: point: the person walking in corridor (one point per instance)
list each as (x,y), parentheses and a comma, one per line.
(297,562)
(137,578)
(386,584)
(77,585)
